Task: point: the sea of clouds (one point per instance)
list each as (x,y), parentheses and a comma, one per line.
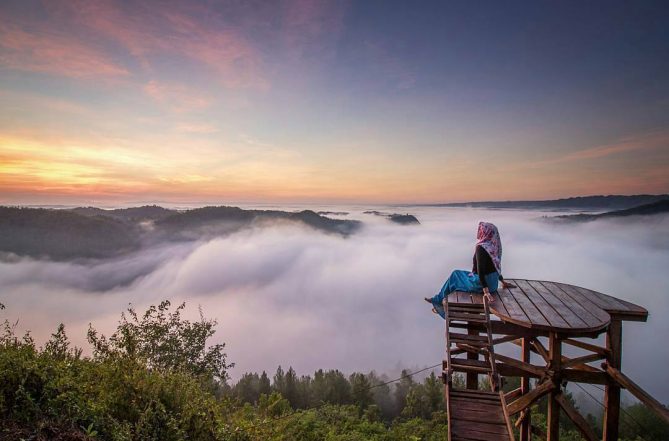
(298,297)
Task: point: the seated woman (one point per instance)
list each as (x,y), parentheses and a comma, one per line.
(486,274)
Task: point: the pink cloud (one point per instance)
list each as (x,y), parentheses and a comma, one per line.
(154,30)
(645,142)
(54,53)
(176,97)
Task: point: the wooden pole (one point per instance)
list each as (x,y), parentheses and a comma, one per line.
(525,426)
(472,377)
(614,343)
(555,356)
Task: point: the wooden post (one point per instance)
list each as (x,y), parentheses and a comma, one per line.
(525,426)
(614,343)
(555,356)
(472,377)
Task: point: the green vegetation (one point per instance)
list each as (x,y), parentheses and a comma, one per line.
(156,378)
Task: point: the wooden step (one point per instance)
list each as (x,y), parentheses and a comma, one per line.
(464,365)
(474,307)
(468,337)
(466,317)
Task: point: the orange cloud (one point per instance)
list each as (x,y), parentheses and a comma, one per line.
(54,53)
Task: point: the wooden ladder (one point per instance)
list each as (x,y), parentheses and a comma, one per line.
(473,415)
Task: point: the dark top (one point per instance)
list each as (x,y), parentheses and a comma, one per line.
(483,265)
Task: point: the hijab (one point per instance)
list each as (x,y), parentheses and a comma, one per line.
(487,236)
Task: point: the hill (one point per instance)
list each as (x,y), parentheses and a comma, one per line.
(587,203)
(91,232)
(642,210)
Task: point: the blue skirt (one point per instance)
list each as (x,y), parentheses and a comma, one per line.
(465,281)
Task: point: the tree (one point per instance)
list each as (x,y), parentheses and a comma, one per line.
(264,385)
(162,340)
(402,390)
(360,390)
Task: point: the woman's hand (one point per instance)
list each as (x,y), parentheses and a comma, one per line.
(486,293)
(428,300)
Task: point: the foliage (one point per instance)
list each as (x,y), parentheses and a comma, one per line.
(156,378)
(162,340)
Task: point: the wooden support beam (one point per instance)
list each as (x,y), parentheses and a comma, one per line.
(526,420)
(614,343)
(505,339)
(582,366)
(587,346)
(635,390)
(577,418)
(555,360)
(536,371)
(512,395)
(541,350)
(527,400)
(585,376)
(578,361)
(472,377)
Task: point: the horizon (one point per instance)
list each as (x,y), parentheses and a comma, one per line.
(299,102)
(201,204)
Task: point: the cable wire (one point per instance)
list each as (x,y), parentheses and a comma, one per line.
(604,407)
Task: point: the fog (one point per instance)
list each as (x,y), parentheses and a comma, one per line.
(297,297)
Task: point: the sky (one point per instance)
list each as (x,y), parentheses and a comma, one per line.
(112,102)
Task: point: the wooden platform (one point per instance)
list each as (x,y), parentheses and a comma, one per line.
(540,318)
(556,307)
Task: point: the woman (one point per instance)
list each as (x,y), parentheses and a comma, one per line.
(486,274)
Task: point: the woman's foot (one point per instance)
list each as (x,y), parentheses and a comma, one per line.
(428,300)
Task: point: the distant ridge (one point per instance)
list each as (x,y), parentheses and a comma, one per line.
(91,232)
(642,210)
(612,202)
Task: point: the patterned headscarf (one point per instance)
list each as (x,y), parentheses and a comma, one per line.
(488,237)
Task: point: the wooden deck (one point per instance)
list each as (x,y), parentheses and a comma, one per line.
(540,317)
(556,307)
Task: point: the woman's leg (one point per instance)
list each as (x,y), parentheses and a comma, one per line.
(457,281)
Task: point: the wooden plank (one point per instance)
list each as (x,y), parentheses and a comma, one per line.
(530,368)
(614,344)
(481,426)
(580,422)
(553,420)
(528,399)
(512,395)
(524,390)
(573,320)
(574,362)
(467,317)
(587,346)
(475,395)
(516,313)
(592,321)
(592,308)
(531,311)
(641,394)
(469,337)
(603,301)
(477,414)
(552,317)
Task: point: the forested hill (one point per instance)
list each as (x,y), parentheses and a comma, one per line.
(90,232)
(587,203)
